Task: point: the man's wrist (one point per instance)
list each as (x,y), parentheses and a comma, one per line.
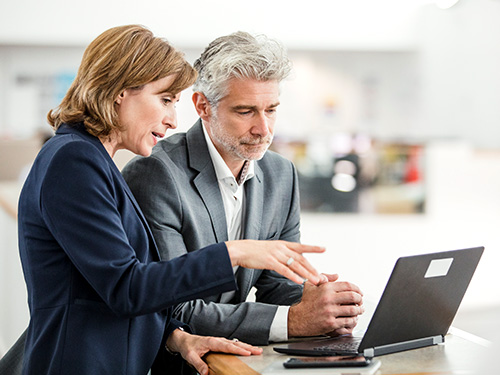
(294,321)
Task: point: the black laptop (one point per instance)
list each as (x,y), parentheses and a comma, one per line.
(416,309)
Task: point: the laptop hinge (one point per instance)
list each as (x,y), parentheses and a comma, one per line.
(404,345)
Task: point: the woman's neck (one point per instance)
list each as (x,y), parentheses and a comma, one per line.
(111,143)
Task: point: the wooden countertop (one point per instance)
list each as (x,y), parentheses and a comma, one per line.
(458,355)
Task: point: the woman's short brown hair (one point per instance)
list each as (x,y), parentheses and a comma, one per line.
(120,58)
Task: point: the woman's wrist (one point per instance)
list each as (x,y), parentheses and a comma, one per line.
(232,250)
(236,251)
(171,346)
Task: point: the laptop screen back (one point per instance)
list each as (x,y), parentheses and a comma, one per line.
(422,297)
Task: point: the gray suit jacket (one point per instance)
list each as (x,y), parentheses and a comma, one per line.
(178,192)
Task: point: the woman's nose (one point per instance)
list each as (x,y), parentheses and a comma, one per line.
(170,119)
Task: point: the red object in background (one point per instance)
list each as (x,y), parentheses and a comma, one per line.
(412,170)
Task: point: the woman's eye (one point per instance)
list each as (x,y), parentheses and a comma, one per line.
(167,100)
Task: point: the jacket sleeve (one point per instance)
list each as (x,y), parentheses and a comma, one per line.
(80,204)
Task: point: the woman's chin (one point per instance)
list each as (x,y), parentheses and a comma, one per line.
(145,151)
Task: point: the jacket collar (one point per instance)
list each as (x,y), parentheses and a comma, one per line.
(80,130)
(200,160)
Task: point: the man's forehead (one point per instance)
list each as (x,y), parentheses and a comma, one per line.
(250,92)
(242,81)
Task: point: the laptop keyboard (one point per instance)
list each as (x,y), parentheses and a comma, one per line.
(348,346)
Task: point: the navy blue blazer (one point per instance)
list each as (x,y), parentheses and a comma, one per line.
(98,295)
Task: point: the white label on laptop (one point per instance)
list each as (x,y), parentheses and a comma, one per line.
(438,267)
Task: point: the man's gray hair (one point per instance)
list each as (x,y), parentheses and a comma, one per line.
(239,55)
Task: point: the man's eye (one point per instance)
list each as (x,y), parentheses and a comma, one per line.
(245,112)
(167,100)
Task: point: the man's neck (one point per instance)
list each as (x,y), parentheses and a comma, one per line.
(235,166)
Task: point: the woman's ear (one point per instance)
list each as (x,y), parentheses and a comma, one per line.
(202,106)
(119,99)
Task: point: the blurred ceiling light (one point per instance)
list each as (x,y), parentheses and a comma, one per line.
(343,182)
(345,167)
(445,4)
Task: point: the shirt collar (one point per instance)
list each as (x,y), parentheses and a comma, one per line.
(222,171)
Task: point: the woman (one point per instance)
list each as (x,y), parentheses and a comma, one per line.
(99,297)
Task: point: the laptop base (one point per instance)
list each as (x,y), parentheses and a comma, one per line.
(401,346)
(330,347)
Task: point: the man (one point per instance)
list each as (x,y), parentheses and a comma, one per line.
(218,182)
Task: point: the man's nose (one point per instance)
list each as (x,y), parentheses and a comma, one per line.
(261,125)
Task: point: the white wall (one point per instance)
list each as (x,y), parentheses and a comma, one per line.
(355,24)
(456,77)
(459,71)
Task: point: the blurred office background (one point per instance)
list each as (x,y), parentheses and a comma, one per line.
(392,117)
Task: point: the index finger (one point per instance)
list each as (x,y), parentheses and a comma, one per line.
(306,271)
(254,350)
(301,248)
(233,347)
(341,286)
(302,267)
(195,360)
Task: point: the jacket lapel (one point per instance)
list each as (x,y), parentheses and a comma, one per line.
(137,208)
(199,160)
(80,130)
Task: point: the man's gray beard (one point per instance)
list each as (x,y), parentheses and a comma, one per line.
(232,147)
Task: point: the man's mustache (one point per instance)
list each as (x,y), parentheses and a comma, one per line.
(257,141)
